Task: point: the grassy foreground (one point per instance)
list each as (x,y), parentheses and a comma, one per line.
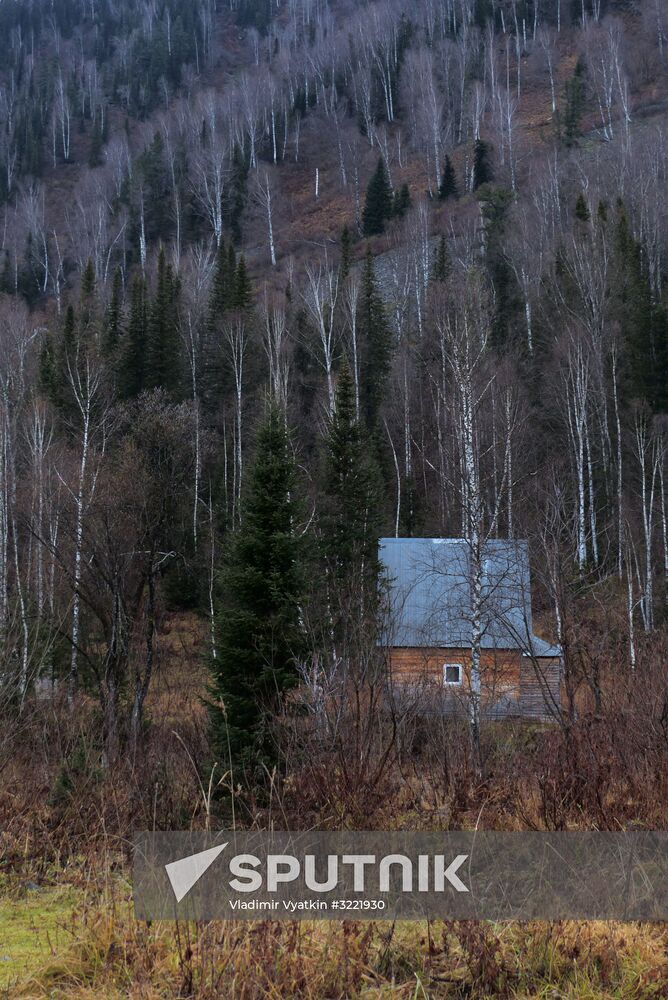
(77,941)
(33,925)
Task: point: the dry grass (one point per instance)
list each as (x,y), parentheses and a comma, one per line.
(74,846)
(104,952)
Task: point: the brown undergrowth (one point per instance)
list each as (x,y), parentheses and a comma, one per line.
(67,822)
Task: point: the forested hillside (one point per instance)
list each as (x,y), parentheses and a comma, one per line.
(279,278)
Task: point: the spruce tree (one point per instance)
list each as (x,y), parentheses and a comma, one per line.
(442,262)
(60,367)
(660,356)
(112,321)
(237,192)
(402,201)
(376,344)
(575,99)
(259,636)
(46,376)
(346,253)
(349,522)
(495,206)
(243,290)
(6,274)
(482,168)
(231,269)
(87,303)
(95,149)
(582,212)
(153,168)
(164,355)
(644,323)
(448,186)
(221,300)
(88,281)
(132,362)
(68,343)
(379,202)
(222,286)
(411,513)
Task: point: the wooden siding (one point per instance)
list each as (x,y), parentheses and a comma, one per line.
(540,687)
(512,685)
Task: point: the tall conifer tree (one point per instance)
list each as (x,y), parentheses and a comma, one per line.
(349,523)
(164,355)
(259,631)
(644,322)
(448,186)
(112,321)
(482,168)
(442,262)
(243,290)
(376,342)
(132,361)
(379,204)
(346,254)
(222,287)
(88,319)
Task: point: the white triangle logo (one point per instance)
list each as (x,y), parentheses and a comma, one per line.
(184,873)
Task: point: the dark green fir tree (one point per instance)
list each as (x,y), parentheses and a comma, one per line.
(96,144)
(112,319)
(644,322)
(379,203)
(88,317)
(402,201)
(222,287)
(259,634)
(574,105)
(442,262)
(242,298)
(448,186)
(482,167)
(349,522)
(47,373)
(59,366)
(346,253)
(376,345)
(164,349)
(132,361)
(237,192)
(582,213)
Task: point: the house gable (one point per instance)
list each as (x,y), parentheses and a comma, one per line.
(429,629)
(429,595)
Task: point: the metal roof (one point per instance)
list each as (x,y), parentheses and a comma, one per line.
(430,595)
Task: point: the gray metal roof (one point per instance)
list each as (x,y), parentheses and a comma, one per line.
(430,596)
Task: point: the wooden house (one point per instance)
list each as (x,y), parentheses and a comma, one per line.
(432,621)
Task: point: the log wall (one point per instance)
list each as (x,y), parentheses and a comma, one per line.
(512,685)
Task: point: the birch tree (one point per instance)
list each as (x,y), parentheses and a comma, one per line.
(86,384)
(236,339)
(263,189)
(321,299)
(648,452)
(576,377)
(463,332)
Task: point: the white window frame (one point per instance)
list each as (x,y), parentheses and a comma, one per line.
(458,682)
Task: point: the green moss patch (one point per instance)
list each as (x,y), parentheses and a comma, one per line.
(33,926)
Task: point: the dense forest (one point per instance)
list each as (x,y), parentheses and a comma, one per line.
(279,278)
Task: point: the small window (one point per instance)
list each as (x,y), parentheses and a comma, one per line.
(452,673)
